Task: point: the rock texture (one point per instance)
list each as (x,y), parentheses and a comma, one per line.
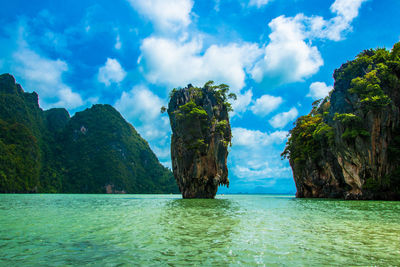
(95,151)
(201,134)
(349,145)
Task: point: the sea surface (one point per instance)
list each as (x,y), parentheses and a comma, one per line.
(165,230)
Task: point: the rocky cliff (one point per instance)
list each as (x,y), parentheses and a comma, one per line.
(201,135)
(349,145)
(95,151)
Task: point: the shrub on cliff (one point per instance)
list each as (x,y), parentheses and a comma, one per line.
(344,130)
(201,133)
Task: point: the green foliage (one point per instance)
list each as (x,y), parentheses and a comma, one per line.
(172,93)
(353,125)
(191,112)
(306,138)
(372,76)
(46,151)
(371,83)
(196,92)
(198,145)
(207,108)
(19,159)
(221,126)
(221,93)
(351,134)
(324,132)
(195,119)
(101,149)
(369,89)
(347,118)
(232,96)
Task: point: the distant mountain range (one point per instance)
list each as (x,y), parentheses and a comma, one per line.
(95,151)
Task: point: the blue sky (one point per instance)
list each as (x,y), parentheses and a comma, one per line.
(278,56)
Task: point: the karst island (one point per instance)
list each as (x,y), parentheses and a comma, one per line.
(201,135)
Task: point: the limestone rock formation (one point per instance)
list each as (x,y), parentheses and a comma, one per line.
(201,135)
(95,151)
(349,145)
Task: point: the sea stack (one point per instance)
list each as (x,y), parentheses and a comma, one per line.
(201,134)
(349,145)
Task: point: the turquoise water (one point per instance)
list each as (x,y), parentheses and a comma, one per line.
(160,230)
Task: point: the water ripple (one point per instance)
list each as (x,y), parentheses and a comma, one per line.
(165,230)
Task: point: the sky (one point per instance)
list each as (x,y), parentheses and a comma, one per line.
(278,56)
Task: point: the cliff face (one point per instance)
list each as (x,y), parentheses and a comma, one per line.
(349,145)
(95,151)
(201,134)
(102,153)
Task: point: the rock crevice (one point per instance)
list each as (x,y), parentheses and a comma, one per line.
(201,135)
(349,145)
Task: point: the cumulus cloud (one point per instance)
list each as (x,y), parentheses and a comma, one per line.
(335,28)
(255,154)
(242,102)
(44,75)
(173,63)
(266,104)
(319,90)
(282,119)
(111,72)
(346,11)
(288,56)
(139,103)
(141,107)
(169,15)
(252,138)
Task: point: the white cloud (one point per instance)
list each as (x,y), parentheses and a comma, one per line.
(111,72)
(259,170)
(170,15)
(255,155)
(319,90)
(288,56)
(68,99)
(255,138)
(266,104)
(348,9)
(282,119)
(141,107)
(333,29)
(44,75)
(258,3)
(172,63)
(139,103)
(242,102)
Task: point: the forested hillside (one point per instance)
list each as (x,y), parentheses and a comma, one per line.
(95,151)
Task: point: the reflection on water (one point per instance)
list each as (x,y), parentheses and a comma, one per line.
(198,230)
(162,230)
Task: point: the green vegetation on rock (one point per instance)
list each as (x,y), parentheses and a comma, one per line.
(201,133)
(95,151)
(348,145)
